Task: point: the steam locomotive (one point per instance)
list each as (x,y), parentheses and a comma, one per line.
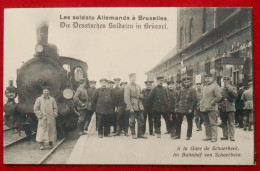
(46,68)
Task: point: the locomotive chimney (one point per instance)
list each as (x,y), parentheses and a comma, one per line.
(42,33)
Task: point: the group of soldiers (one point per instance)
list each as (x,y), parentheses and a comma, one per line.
(119,104)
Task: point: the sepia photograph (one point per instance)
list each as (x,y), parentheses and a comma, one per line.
(128,86)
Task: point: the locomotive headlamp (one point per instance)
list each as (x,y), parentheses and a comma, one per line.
(68,93)
(39,48)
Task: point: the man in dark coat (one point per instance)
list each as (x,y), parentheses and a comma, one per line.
(172,114)
(147,107)
(185,106)
(227,109)
(81,99)
(160,106)
(91,90)
(104,106)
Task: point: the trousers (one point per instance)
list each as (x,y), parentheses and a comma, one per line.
(189,117)
(157,121)
(104,122)
(211,124)
(150,117)
(198,118)
(82,119)
(136,115)
(228,124)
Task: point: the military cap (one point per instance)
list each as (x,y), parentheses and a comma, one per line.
(11,89)
(159,77)
(117,79)
(92,81)
(186,78)
(208,75)
(103,79)
(82,80)
(131,75)
(148,82)
(226,78)
(178,81)
(170,82)
(111,82)
(123,83)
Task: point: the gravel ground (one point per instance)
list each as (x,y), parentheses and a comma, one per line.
(28,152)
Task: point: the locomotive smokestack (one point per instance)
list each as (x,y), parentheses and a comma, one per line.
(42,33)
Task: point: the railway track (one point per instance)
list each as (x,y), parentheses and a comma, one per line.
(17,141)
(44,158)
(30,146)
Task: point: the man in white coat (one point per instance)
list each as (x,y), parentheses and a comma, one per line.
(46,110)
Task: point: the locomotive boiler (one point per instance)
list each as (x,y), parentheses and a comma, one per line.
(46,68)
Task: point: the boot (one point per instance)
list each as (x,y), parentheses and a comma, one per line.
(134,136)
(50,145)
(250,127)
(41,145)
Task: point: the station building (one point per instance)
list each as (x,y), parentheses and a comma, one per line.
(210,40)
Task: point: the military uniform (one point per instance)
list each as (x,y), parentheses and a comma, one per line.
(185,105)
(239,105)
(160,107)
(90,111)
(147,111)
(210,96)
(248,98)
(81,99)
(132,98)
(197,113)
(227,111)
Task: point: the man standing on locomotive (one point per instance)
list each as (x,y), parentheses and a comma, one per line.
(81,99)
(46,110)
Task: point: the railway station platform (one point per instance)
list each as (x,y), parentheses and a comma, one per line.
(90,149)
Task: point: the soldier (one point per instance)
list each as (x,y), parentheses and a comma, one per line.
(81,99)
(197,113)
(172,113)
(211,95)
(134,106)
(147,107)
(239,105)
(185,105)
(90,111)
(247,97)
(227,109)
(46,110)
(104,105)
(159,103)
(116,90)
(122,117)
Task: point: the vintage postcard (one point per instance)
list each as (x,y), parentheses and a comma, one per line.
(149,86)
